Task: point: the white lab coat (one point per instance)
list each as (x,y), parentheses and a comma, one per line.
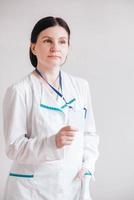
(32,117)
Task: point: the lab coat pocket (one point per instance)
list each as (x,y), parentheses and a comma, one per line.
(19,186)
(51,118)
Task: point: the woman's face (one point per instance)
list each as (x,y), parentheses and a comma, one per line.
(51,47)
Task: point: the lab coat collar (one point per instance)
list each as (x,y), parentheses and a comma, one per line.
(48,101)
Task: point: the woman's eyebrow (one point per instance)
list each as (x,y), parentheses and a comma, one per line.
(46,37)
(63,38)
(52,38)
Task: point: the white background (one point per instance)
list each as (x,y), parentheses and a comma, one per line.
(102,51)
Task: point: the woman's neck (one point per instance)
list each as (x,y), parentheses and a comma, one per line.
(50,74)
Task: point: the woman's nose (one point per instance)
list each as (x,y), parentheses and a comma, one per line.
(55,47)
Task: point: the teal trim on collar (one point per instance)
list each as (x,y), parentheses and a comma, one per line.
(50,107)
(88,174)
(57,109)
(71,101)
(22,175)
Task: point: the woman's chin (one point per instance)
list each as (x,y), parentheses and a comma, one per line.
(54,64)
(50,66)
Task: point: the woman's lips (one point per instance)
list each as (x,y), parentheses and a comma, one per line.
(54,56)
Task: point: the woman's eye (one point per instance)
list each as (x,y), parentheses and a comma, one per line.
(47,41)
(62,41)
(50,41)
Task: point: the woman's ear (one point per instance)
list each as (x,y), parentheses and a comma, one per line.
(32,46)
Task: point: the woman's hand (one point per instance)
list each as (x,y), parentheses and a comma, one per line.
(65,136)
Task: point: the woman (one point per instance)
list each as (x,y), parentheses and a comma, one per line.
(48,123)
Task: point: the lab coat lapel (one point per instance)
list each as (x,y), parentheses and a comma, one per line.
(49,99)
(68,90)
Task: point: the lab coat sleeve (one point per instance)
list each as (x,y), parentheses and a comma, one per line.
(91,139)
(18,147)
